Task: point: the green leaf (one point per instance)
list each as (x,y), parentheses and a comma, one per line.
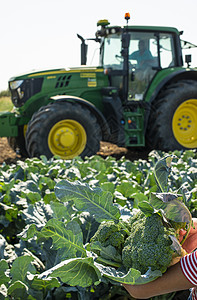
(38,214)
(146,208)
(49,197)
(138,198)
(108,187)
(128,188)
(62,211)
(42,284)
(133,276)
(19,290)
(32,197)
(28,232)
(108,252)
(3,267)
(20,267)
(67,236)
(81,272)
(172,206)
(88,225)
(93,200)
(161,172)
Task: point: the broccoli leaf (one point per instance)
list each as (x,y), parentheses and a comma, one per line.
(20,267)
(132,277)
(67,236)
(19,290)
(85,272)
(41,284)
(161,172)
(108,252)
(172,206)
(3,267)
(75,272)
(93,200)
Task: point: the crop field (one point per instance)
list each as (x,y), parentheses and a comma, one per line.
(5,104)
(50,209)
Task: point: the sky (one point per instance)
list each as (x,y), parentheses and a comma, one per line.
(42,34)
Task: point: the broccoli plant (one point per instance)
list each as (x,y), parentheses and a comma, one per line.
(132,246)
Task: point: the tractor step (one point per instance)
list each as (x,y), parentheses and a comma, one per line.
(134,127)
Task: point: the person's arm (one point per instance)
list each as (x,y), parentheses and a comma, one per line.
(133,55)
(171,281)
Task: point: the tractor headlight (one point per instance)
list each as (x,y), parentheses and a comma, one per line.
(17,92)
(22,90)
(15,84)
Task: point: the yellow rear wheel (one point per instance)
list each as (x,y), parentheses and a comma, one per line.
(184,124)
(67,139)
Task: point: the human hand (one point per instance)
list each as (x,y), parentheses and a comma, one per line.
(190,243)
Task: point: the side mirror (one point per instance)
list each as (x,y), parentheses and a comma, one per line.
(84,49)
(188,59)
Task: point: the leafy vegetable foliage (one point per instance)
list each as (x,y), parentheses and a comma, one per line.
(50,209)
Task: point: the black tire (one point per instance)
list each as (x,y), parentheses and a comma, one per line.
(173,118)
(45,126)
(18,143)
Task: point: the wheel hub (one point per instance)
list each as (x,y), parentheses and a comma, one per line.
(67,139)
(184,124)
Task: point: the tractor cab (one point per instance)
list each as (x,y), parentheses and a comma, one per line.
(132,56)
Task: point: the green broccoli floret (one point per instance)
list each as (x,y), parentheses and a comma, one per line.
(148,245)
(110,233)
(117,239)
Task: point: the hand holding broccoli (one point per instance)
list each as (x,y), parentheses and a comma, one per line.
(191,242)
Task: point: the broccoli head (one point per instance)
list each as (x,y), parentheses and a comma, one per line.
(141,243)
(148,245)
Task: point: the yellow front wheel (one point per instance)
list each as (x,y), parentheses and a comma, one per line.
(67,138)
(65,129)
(184,124)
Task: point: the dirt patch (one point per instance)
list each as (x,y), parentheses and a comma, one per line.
(9,156)
(117,152)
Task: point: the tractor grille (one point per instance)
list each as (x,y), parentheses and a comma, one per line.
(63,81)
(27,89)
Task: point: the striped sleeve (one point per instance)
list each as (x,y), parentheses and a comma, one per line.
(189,267)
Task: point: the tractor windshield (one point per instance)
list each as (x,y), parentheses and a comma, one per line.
(112,52)
(148,53)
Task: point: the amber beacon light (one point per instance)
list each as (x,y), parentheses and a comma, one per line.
(127,16)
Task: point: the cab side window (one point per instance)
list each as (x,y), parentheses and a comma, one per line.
(167,52)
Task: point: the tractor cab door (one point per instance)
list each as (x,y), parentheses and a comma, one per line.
(149,52)
(143,63)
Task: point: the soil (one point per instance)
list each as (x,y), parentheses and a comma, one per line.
(9,156)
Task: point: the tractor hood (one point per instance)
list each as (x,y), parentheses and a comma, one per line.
(47,83)
(54,72)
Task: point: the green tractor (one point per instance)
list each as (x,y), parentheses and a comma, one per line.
(139,96)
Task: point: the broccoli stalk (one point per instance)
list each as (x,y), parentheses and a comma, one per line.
(108,262)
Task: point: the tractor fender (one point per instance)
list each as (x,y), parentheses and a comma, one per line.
(182,74)
(100,117)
